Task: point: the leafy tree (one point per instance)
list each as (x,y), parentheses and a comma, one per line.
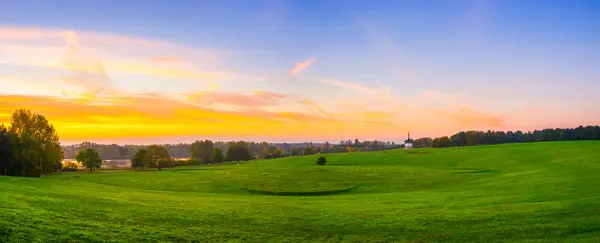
(423,142)
(308,151)
(202,150)
(37,147)
(264,153)
(89,158)
(158,157)
(140,159)
(321,161)
(277,153)
(326,147)
(7,148)
(442,142)
(217,155)
(237,153)
(295,151)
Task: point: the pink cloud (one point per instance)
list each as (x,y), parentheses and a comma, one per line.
(256,99)
(301,66)
(316,107)
(466,116)
(356,87)
(166,59)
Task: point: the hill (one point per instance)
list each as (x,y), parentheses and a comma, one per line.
(531,192)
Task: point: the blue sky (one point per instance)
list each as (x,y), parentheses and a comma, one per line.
(498,56)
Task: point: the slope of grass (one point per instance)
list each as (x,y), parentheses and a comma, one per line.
(542,192)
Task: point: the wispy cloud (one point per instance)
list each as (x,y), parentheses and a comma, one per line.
(467,117)
(92,38)
(166,59)
(242,101)
(302,65)
(355,87)
(116,53)
(316,107)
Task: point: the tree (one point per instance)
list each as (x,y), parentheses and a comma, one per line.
(321,161)
(140,159)
(217,155)
(237,153)
(442,142)
(264,153)
(89,158)
(37,148)
(295,151)
(202,150)
(308,151)
(277,153)
(7,148)
(158,157)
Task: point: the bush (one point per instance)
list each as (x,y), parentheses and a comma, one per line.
(321,161)
(69,166)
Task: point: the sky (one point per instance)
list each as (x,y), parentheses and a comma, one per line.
(175,71)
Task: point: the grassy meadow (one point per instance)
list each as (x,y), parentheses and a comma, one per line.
(535,192)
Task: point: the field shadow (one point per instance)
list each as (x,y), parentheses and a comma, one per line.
(300,193)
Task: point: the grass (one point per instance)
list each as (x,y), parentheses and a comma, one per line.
(539,192)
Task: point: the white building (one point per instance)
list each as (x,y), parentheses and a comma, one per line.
(408,143)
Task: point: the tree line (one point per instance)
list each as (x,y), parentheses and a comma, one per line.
(470,138)
(258,150)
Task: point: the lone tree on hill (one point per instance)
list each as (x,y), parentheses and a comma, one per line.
(89,158)
(140,159)
(321,161)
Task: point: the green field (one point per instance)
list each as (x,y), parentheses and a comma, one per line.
(539,192)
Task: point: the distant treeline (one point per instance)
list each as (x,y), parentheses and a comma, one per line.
(469,138)
(256,149)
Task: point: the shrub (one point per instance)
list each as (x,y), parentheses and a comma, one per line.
(321,161)
(69,166)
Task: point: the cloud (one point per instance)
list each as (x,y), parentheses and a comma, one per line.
(316,107)
(466,116)
(301,66)
(456,107)
(439,95)
(166,59)
(252,100)
(91,38)
(87,74)
(117,54)
(355,87)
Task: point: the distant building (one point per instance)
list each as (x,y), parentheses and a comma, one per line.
(408,143)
